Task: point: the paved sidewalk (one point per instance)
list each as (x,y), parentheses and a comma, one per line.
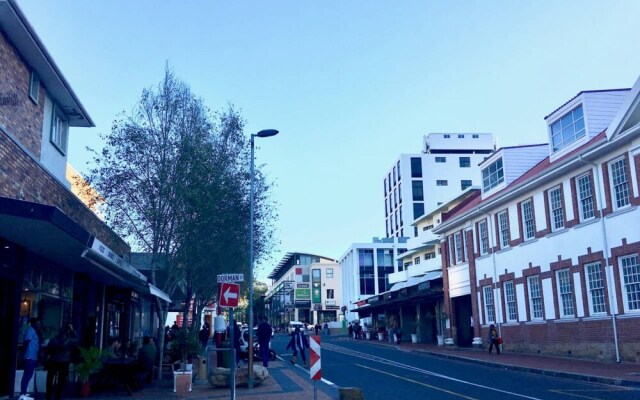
(625,374)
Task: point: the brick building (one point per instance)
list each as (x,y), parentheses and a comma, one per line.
(58,261)
(549,249)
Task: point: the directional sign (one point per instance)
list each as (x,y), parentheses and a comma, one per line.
(315,368)
(230,278)
(229,294)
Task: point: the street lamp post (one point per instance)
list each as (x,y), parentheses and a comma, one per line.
(262,133)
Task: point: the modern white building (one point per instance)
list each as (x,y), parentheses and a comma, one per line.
(305,287)
(549,250)
(447,165)
(364,269)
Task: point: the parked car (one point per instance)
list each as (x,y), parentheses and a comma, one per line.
(294,324)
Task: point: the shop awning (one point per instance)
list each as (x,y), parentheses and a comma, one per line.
(155,291)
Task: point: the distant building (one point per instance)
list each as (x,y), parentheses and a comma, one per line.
(364,269)
(447,165)
(304,287)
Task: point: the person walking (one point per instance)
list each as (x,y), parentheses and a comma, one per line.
(147,357)
(350,330)
(493,339)
(326,328)
(31,345)
(297,343)
(59,350)
(264,337)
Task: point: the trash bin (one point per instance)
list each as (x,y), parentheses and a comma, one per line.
(226,354)
(202,368)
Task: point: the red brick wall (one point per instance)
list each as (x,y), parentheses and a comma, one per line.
(24,119)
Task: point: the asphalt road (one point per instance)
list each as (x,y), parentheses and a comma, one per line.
(386,373)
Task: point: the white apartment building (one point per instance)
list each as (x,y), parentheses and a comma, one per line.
(549,250)
(364,268)
(447,165)
(304,287)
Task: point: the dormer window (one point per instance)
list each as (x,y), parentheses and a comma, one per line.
(568,129)
(493,175)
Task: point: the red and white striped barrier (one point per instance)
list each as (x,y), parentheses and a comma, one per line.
(315,369)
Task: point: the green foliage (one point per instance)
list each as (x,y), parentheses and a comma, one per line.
(185,345)
(90,363)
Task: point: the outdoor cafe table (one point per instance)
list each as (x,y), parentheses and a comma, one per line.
(121,372)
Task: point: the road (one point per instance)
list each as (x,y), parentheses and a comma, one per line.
(386,373)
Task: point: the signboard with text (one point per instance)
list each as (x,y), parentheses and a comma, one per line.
(229,294)
(230,278)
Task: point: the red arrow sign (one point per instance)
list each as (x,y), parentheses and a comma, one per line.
(229,294)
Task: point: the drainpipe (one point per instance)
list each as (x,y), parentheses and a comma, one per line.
(606,250)
(496,302)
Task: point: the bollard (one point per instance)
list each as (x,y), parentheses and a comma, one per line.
(350,393)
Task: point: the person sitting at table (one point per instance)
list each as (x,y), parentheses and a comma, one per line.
(147,357)
(113,351)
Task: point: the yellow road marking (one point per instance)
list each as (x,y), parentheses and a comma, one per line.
(418,383)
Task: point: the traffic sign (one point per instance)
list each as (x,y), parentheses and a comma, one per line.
(229,294)
(315,370)
(230,278)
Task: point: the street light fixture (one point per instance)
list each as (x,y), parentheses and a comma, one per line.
(263,134)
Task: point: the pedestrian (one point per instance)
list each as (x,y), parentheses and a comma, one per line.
(398,334)
(203,335)
(31,345)
(350,330)
(326,328)
(59,350)
(493,339)
(297,343)
(317,328)
(147,357)
(264,337)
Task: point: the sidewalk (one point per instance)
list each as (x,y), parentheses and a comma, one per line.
(624,374)
(285,381)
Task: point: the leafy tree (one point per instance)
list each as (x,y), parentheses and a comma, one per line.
(175,178)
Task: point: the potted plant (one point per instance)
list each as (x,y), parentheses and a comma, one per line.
(90,363)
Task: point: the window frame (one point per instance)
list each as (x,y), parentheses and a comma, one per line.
(510,301)
(465,184)
(625,286)
(491,179)
(59,138)
(464,162)
(535,298)
(585,202)
(624,186)
(441,160)
(559,132)
(489,304)
(528,224)
(442,182)
(34,87)
(566,292)
(328,273)
(483,239)
(556,208)
(503,229)
(596,295)
(457,242)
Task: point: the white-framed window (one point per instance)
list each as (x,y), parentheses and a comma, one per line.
(585,197)
(619,183)
(488,304)
(595,288)
(452,255)
(503,225)
(565,293)
(493,175)
(528,224)
(556,208)
(535,297)
(568,129)
(483,236)
(329,272)
(34,87)
(630,272)
(510,301)
(59,130)
(457,239)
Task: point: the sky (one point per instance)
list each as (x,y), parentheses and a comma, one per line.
(350,85)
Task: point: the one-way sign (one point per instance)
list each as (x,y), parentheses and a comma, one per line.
(230,278)
(229,294)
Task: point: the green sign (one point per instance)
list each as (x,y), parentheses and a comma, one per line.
(303,293)
(317,295)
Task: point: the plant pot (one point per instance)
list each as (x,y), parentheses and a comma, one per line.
(440,340)
(368,335)
(85,389)
(380,336)
(414,338)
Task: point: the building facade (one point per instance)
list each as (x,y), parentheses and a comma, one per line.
(549,246)
(447,165)
(60,263)
(304,287)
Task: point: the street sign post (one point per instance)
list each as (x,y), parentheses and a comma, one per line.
(229,294)
(315,368)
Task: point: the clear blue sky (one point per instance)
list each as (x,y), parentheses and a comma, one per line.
(349,84)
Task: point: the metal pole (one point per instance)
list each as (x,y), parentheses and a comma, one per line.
(232,370)
(250,350)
